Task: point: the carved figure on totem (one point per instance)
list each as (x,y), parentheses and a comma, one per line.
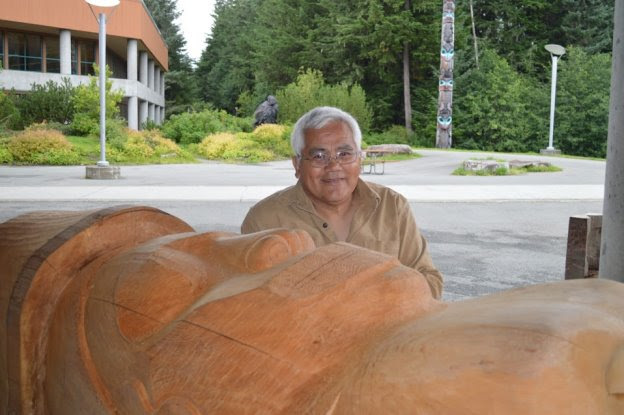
(128,310)
(445,116)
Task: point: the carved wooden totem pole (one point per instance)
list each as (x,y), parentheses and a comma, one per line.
(444,134)
(127,310)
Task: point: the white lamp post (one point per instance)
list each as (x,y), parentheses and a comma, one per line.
(556,52)
(101,19)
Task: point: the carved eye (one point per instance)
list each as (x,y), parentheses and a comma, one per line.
(275,248)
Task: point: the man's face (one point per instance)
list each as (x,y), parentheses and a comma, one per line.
(333,183)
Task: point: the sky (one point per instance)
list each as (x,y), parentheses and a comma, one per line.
(195,22)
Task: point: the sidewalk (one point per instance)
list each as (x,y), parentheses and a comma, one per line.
(427,179)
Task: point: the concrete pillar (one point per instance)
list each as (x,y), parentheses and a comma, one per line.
(65,51)
(150,113)
(132,56)
(612,242)
(143,68)
(133,113)
(162,84)
(150,74)
(157,80)
(142,113)
(162,115)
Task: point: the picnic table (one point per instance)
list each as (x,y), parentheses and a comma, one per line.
(374,160)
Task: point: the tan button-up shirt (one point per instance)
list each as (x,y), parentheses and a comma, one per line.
(382,222)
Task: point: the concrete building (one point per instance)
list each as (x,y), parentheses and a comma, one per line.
(42,40)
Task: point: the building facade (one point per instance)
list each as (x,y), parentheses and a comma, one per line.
(42,40)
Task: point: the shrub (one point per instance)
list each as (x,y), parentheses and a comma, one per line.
(149,145)
(213,146)
(192,127)
(87,104)
(231,147)
(310,90)
(5,154)
(116,133)
(396,134)
(51,102)
(9,114)
(273,137)
(42,146)
(244,149)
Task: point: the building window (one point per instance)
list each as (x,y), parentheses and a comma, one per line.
(82,57)
(1,49)
(25,52)
(53,54)
(118,66)
(87,57)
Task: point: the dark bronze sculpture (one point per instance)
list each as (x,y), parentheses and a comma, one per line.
(266,113)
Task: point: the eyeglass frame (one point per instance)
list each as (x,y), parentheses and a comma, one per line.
(314,163)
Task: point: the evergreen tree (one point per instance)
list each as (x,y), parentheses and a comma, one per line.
(588,24)
(225,68)
(180,88)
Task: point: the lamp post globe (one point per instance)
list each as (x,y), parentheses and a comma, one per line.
(556,51)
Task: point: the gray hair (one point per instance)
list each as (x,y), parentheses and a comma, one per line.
(319,117)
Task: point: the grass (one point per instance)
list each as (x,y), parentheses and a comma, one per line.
(391,158)
(501,171)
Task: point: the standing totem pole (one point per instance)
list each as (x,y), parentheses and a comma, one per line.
(445,98)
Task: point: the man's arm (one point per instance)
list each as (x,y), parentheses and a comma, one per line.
(413,250)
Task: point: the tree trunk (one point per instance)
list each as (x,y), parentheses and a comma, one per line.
(474,35)
(407,96)
(444,136)
(612,242)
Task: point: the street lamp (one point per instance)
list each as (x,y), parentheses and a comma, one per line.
(101,19)
(556,52)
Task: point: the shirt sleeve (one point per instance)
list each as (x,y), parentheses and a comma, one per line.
(413,250)
(250,223)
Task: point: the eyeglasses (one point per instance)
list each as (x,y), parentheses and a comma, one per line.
(322,158)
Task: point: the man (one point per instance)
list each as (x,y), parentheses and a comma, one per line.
(333,204)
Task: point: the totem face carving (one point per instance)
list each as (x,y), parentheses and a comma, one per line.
(148,316)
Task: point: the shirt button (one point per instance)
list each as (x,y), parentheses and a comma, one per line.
(325,225)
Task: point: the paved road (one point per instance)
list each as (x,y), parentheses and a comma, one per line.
(485,233)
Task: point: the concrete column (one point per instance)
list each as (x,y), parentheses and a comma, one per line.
(142,113)
(612,242)
(65,50)
(162,115)
(143,68)
(132,56)
(133,113)
(157,80)
(150,74)
(162,84)
(150,113)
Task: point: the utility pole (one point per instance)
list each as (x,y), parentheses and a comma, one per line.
(444,136)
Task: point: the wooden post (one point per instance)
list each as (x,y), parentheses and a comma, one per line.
(612,244)
(445,98)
